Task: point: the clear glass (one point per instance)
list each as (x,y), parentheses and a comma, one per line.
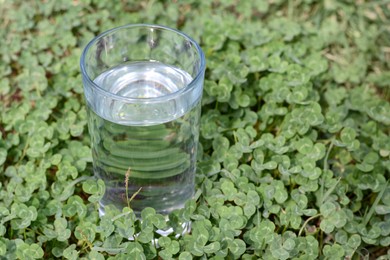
(143,86)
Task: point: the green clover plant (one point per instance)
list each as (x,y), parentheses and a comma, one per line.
(294,153)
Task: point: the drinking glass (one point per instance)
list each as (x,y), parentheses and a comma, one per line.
(143,88)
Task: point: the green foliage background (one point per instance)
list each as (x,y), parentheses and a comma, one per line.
(295,148)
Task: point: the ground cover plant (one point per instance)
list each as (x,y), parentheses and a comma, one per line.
(294,155)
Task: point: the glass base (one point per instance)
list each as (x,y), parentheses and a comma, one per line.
(162,232)
(166,232)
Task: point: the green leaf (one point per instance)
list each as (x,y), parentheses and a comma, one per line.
(94,255)
(60,225)
(164,241)
(70,252)
(165,254)
(327,226)
(174,247)
(277,249)
(85,231)
(354,241)
(385,242)
(281,194)
(347,135)
(185,256)
(3,156)
(237,247)
(263,232)
(365,167)
(327,209)
(26,251)
(341,237)
(148,213)
(135,251)
(228,189)
(382,209)
(3,248)
(333,252)
(95,188)
(75,205)
(253,197)
(202,237)
(212,247)
(338,219)
(196,248)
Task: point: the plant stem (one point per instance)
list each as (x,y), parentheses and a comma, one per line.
(330,190)
(127,186)
(372,209)
(326,168)
(120,215)
(307,221)
(135,194)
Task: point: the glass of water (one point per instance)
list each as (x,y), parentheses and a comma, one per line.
(143,86)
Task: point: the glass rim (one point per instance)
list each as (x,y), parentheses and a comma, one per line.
(166,97)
